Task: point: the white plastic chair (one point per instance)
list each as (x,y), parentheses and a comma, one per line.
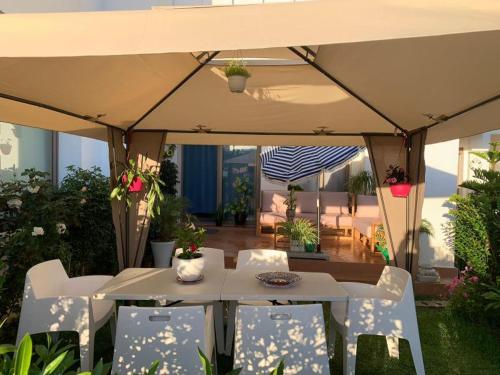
(386,309)
(254,260)
(267,334)
(213,258)
(170,335)
(53,302)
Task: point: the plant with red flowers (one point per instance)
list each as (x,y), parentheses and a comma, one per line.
(190,238)
(395,175)
(466,295)
(132,180)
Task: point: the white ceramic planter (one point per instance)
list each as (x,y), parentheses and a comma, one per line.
(189,269)
(237,83)
(162,253)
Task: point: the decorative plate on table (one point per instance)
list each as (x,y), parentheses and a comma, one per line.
(278,279)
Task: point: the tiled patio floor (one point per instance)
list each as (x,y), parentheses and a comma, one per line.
(347,262)
(339,248)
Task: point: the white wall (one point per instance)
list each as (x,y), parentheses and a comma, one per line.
(440,182)
(81,152)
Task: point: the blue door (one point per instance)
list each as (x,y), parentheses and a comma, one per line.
(199,178)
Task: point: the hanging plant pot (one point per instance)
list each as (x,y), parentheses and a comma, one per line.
(237,83)
(135,186)
(401,190)
(5,148)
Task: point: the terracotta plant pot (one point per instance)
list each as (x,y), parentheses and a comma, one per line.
(237,83)
(136,184)
(401,190)
(189,269)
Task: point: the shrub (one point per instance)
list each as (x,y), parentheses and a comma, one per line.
(466,294)
(34,221)
(91,236)
(476,225)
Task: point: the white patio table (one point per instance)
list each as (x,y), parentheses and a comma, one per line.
(314,286)
(160,284)
(230,285)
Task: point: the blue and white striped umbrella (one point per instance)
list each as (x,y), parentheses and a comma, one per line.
(292,163)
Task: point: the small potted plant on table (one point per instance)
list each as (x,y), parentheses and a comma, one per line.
(239,206)
(398,181)
(189,263)
(302,234)
(237,75)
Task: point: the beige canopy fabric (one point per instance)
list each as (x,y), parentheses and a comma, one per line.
(132,223)
(360,67)
(323,73)
(401,217)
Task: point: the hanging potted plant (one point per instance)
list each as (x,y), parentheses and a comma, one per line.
(302,234)
(239,206)
(237,75)
(189,263)
(398,181)
(134,180)
(6,146)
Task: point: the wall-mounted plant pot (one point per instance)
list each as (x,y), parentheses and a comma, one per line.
(240,218)
(237,83)
(135,186)
(401,190)
(5,148)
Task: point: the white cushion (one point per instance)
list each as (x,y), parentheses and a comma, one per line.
(364,224)
(336,221)
(367,206)
(334,202)
(306,201)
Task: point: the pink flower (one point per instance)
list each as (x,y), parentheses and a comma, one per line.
(474,279)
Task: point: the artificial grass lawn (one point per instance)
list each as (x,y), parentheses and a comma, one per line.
(450,345)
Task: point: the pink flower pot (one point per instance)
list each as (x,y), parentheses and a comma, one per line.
(135,186)
(401,190)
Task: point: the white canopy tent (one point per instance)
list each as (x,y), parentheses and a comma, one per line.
(358,69)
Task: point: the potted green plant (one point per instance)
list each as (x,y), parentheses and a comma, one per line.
(189,263)
(381,242)
(237,75)
(164,229)
(132,180)
(239,206)
(291,201)
(398,181)
(362,183)
(300,232)
(219,216)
